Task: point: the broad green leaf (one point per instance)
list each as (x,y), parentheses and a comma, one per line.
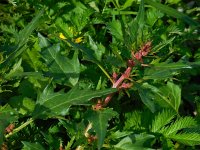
(99,120)
(173,94)
(50,104)
(155,97)
(115,29)
(147,97)
(190,139)
(172,12)
(162,119)
(134,142)
(32,146)
(63,69)
(90,55)
(164,70)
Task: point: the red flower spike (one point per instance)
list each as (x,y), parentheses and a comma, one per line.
(125,86)
(131,63)
(114,75)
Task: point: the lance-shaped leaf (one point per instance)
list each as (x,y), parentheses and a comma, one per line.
(22,39)
(63,69)
(32,146)
(164,70)
(99,120)
(172,12)
(51,104)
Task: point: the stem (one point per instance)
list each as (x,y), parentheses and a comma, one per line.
(19,128)
(104,71)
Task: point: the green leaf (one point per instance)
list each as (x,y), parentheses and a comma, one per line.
(24,105)
(99,49)
(16,69)
(127,4)
(115,29)
(147,96)
(63,69)
(99,120)
(26,32)
(32,146)
(7,116)
(135,141)
(173,94)
(43,42)
(162,119)
(179,124)
(153,15)
(51,104)
(141,15)
(190,139)
(22,39)
(164,96)
(90,55)
(172,12)
(164,70)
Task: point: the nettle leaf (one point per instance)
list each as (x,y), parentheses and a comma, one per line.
(32,146)
(153,15)
(164,70)
(190,139)
(99,49)
(63,69)
(168,96)
(162,119)
(51,104)
(99,120)
(115,29)
(179,124)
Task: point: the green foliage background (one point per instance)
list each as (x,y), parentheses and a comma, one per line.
(56,61)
